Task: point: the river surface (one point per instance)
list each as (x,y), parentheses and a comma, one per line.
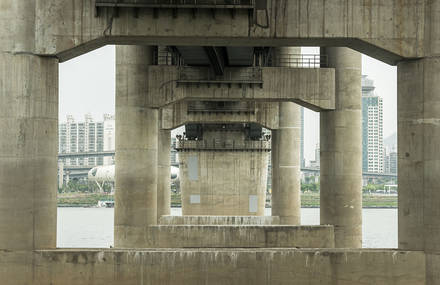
(93,227)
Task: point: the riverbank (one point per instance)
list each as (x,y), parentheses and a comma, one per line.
(308,200)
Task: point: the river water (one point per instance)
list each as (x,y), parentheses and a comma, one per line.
(93,227)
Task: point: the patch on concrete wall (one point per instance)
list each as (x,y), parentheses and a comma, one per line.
(193,168)
(194,199)
(253,203)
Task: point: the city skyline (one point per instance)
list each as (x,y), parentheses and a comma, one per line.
(84,88)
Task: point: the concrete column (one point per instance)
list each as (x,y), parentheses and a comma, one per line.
(286,148)
(136,148)
(341,151)
(418,129)
(286,184)
(164,174)
(28,128)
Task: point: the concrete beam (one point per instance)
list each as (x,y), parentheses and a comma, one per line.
(213,266)
(178,114)
(386,30)
(311,87)
(219,220)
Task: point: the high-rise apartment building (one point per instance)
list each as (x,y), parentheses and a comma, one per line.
(87,136)
(372,128)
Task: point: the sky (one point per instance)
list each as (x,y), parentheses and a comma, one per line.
(87,85)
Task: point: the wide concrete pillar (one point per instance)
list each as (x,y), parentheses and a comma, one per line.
(28,128)
(164,174)
(286,149)
(136,148)
(341,151)
(418,129)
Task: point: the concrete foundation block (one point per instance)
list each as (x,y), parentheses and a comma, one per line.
(212,266)
(233,236)
(219,220)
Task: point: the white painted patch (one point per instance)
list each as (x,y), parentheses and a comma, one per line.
(194,199)
(253,203)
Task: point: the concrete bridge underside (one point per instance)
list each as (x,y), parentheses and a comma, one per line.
(36,35)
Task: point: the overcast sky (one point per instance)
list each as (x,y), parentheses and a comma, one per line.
(87,85)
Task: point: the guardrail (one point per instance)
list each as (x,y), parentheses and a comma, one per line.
(199,4)
(299,60)
(216,145)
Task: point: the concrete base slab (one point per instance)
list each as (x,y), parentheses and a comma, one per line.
(233,236)
(219,220)
(212,266)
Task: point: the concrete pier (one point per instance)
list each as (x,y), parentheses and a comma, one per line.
(341,151)
(286,147)
(286,185)
(136,148)
(163,174)
(28,134)
(223,172)
(28,151)
(419,160)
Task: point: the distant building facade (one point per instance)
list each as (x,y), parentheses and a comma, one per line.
(390,162)
(87,136)
(372,128)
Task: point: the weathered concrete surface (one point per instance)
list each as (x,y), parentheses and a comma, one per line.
(136,148)
(28,134)
(341,151)
(419,159)
(219,220)
(381,29)
(239,236)
(286,176)
(263,113)
(213,266)
(28,151)
(163,174)
(286,148)
(312,87)
(230,182)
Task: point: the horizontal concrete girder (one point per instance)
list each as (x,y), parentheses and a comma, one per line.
(213,266)
(311,87)
(387,30)
(178,114)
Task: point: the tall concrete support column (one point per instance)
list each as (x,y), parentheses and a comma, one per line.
(341,151)
(286,184)
(136,148)
(164,174)
(418,129)
(286,148)
(28,128)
